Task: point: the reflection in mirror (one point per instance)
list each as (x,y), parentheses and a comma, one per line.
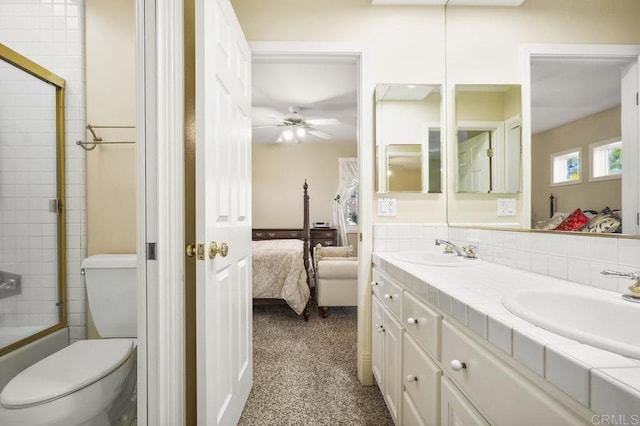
(577,126)
(488,138)
(408,144)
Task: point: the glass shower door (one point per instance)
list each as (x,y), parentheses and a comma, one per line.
(31,209)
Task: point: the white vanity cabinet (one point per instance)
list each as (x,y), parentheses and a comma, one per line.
(433,371)
(405,339)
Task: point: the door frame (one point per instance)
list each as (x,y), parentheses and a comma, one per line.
(365,163)
(563,51)
(160,211)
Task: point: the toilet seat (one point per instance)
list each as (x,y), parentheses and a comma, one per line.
(66,371)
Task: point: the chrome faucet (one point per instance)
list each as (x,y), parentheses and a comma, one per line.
(634,289)
(450,247)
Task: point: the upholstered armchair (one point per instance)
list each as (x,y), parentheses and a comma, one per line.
(336,272)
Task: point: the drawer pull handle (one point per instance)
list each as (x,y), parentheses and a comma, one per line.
(411,378)
(412,320)
(374,283)
(388,296)
(457,365)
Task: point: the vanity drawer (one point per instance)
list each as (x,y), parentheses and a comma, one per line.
(392,299)
(421,381)
(388,292)
(490,382)
(422,323)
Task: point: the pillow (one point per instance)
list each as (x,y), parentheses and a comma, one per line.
(604,222)
(550,223)
(345,251)
(574,221)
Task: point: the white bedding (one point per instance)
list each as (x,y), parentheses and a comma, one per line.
(278,272)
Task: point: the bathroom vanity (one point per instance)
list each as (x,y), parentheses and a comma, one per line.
(446,351)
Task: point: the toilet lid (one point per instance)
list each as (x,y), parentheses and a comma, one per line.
(72,368)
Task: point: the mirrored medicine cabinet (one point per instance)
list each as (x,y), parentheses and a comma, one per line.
(488,139)
(408,141)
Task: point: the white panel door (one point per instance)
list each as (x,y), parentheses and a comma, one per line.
(473,164)
(223,179)
(377,341)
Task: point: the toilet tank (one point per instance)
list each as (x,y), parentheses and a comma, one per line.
(111,291)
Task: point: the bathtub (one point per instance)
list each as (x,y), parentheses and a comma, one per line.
(16,361)
(9,335)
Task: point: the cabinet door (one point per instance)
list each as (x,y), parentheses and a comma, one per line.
(410,414)
(421,381)
(393,365)
(456,410)
(377,341)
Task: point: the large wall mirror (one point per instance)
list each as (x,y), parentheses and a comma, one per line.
(582,128)
(408,142)
(488,139)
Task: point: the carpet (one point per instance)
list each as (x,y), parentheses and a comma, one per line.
(305,373)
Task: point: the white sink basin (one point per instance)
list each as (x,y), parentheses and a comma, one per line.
(434,259)
(596,318)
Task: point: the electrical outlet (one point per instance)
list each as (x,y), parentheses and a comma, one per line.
(506,206)
(386,206)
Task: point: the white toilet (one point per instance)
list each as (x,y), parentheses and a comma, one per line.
(91,382)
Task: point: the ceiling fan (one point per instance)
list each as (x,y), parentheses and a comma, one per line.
(295,126)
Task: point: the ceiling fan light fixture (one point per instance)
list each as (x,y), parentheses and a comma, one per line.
(287,134)
(300,132)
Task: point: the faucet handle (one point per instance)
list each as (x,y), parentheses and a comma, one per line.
(632,275)
(634,288)
(448,249)
(470,250)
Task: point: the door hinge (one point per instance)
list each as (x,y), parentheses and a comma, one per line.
(637,218)
(637,103)
(489,152)
(55,206)
(151,251)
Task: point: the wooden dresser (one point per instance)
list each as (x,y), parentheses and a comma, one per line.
(324,236)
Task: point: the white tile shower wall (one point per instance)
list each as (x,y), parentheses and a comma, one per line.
(577,258)
(51,33)
(407,236)
(27,181)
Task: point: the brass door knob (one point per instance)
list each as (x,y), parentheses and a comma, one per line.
(214,250)
(191,250)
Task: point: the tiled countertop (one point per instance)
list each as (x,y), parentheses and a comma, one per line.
(605,382)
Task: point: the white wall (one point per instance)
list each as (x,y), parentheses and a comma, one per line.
(278,173)
(51,34)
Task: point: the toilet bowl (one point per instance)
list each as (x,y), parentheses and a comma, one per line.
(90,382)
(77,385)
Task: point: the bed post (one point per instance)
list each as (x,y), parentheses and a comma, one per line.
(306,236)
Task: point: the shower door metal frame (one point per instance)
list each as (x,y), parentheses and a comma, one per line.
(14,58)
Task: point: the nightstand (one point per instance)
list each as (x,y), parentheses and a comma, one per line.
(324,236)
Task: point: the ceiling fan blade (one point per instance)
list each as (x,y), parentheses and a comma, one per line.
(323,121)
(268,126)
(319,134)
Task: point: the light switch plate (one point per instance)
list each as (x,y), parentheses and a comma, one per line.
(386,206)
(506,206)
